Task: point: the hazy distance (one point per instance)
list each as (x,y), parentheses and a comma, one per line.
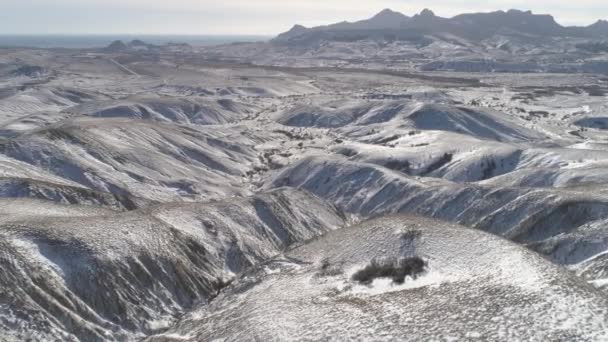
(241,17)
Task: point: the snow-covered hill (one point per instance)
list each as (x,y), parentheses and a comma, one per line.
(81,273)
(473,286)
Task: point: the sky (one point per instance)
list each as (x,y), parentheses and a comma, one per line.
(247,17)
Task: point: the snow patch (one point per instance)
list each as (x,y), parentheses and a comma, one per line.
(386,285)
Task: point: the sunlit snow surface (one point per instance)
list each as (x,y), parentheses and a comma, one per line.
(124,275)
(477,286)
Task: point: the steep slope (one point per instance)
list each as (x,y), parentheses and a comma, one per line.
(484,124)
(19,180)
(140,158)
(429,115)
(465,159)
(83,274)
(23,108)
(526,215)
(473,286)
(326,115)
(168,109)
(600,28)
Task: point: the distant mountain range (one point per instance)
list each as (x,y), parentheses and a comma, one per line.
(393,25)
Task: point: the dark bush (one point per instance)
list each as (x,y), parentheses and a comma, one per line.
(391,268)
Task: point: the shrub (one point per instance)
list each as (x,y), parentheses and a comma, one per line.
(395,269)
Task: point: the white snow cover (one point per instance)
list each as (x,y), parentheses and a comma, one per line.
(475,286)
(80,273)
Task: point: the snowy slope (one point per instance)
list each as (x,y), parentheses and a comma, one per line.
(79,273)
(417,115)
(526,215)
(475,286)
(139,158)
(169,109)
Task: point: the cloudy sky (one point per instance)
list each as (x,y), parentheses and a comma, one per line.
(255,17)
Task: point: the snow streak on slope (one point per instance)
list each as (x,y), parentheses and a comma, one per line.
(140,159)
(422,115)
(526,215)
(168,109)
